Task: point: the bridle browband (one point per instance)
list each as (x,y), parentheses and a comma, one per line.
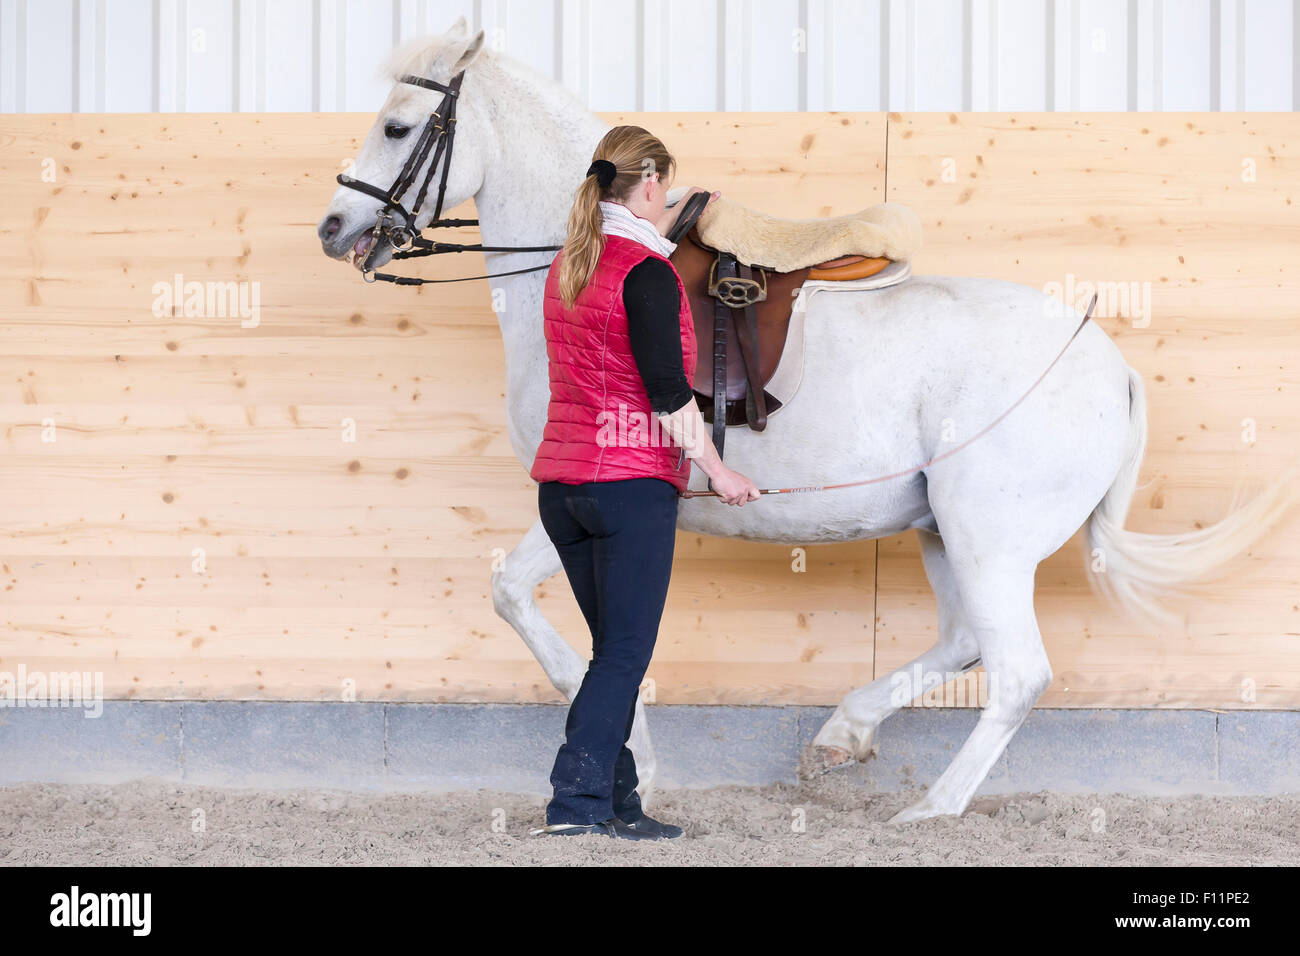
(405,237)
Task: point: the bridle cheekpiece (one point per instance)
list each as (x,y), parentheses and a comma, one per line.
(402,234)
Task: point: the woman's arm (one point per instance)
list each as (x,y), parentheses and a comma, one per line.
(652,302)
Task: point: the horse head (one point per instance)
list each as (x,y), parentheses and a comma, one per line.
(390,154)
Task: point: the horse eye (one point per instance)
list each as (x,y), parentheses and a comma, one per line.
(394,131)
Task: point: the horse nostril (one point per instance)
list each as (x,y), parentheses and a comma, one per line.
(330,227)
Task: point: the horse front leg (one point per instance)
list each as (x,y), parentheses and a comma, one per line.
(532,561)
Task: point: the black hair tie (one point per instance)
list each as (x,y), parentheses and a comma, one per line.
(604,171)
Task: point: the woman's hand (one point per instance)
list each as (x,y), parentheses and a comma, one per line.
(666,221)
(686,427)
(734,488)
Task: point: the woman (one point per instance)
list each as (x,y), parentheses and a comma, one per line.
(622,430)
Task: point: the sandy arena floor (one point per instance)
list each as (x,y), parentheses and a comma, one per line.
(151,823)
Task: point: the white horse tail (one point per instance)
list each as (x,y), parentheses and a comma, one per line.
(1135,570)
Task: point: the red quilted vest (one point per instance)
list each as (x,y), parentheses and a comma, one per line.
(599,424)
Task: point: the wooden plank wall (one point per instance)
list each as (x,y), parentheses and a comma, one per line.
(203,523)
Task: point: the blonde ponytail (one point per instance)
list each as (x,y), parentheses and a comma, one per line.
(635,153)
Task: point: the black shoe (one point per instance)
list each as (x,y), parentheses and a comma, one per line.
(646,828)
(605,828)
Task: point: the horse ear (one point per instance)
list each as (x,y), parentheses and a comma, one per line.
(458,29)
(467,56)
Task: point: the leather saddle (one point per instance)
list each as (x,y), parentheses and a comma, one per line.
(742,313)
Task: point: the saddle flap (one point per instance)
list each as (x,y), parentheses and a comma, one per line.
(694,262)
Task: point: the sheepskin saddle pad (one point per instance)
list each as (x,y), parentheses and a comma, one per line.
(886,231)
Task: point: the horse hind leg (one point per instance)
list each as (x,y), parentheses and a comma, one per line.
(999,602)
(850,732)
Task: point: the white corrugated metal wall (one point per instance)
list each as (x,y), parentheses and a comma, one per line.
(310,55)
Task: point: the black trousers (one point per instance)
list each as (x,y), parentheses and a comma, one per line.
(615,539)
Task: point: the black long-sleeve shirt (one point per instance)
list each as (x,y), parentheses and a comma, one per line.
(652,303)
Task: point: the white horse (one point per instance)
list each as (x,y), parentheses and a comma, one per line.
(893,377)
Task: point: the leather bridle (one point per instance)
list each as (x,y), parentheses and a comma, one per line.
(437,137)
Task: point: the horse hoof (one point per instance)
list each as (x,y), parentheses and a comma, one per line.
(833,758)
(917,811)
(905,816)
(822,760)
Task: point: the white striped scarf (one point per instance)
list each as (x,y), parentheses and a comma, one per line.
(618,220)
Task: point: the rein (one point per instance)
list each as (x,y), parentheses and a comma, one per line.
(937,458)
(438,137)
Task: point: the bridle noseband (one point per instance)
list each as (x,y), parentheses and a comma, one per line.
(405,237)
